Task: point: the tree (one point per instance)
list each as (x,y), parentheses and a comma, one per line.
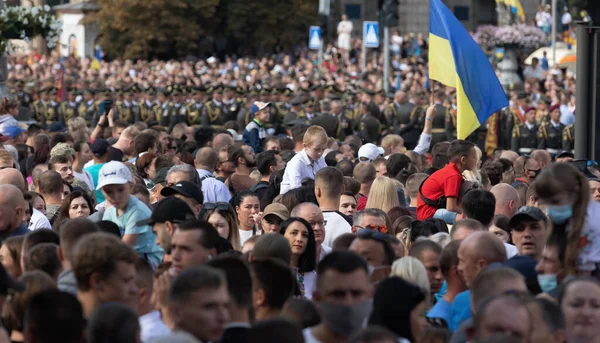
(152,28)
(270,22)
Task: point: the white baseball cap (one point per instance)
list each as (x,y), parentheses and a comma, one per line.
(369,152)
(113,173)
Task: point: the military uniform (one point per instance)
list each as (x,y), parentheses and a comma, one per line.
(146,111)
(327,122)
(126,111)
(40,109)
(450,123)
(25,99)
(411,117)
(550,137)
(213,113)
(438,131)
(369,128)
(194,113)
(568,138)
(88,110)
(524,138)
(179,114)
(68,110)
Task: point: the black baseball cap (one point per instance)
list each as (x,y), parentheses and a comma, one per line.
(528,213)
(169,210)
(565,153)
(8,284)
(100,147)
(185,188)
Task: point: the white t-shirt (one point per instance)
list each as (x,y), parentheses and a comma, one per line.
(38,221)
(589,256)
(152,326)
(511,250)
(336,226)
(245,235)
(309,337)
(85,177)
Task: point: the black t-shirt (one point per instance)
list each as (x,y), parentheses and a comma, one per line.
(115,154)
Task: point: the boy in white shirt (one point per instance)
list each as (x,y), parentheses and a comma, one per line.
(307,162)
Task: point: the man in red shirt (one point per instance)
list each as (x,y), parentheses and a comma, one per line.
(445,183)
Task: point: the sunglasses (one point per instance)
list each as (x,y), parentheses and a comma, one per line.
(371,234)
(381,229)
(223,206)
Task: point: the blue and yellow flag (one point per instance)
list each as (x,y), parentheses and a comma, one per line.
(515,7)
(457,61)
(97,57)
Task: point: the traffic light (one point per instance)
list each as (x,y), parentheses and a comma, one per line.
(390,12)
(323,20)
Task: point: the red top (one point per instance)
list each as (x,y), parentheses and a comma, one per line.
(362,203)
(444,182)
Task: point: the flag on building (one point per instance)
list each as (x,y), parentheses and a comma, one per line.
(515,7)
(457,61)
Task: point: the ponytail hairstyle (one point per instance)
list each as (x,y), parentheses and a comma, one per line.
(561,178)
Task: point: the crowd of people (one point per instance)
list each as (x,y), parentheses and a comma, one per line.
(269,200)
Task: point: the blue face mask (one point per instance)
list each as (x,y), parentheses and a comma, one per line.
(547,282)
(560,214)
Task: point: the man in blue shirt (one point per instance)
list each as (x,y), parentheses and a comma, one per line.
(455,284)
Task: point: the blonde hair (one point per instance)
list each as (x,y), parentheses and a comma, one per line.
(383,194)
(76,124)
(315,135)
(412,270)
(474,175)
(6,157)
(390,141)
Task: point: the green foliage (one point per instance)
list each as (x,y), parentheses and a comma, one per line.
(156,28)
(151,28)
(270,21)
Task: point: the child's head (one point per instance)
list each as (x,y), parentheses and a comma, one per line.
(260,111)
(114,179)
(315,142)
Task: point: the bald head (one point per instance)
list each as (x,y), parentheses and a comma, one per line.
(305,210)
(10,194)
(542,156)
(509,155)
(477,251)
(507,199)
(11,176)
(206,158)
(485,246)
(222,140)
(11,208)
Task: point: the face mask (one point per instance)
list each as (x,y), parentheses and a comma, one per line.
(560,214)
(344,320)
(547,282)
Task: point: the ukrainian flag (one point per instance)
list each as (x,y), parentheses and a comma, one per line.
(457,61)
(97,57)
(515,7)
